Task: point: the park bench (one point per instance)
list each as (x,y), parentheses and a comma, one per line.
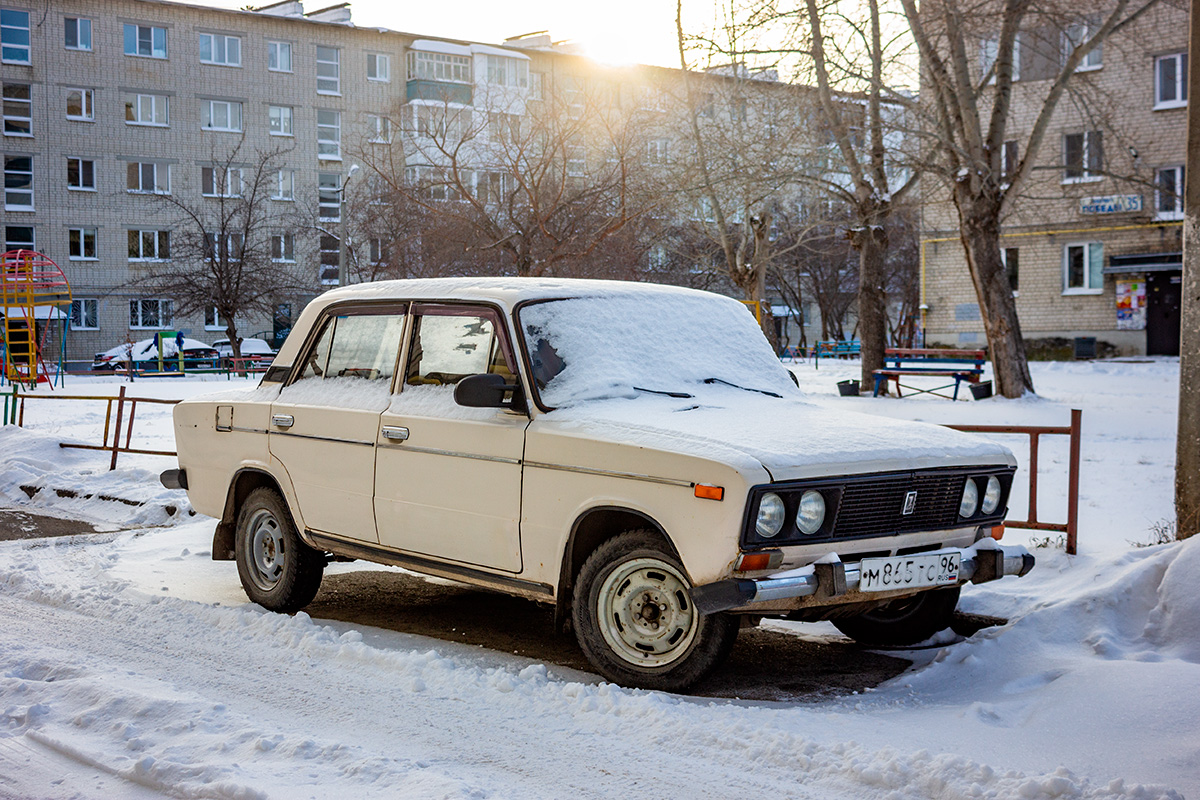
(845,349)
(904,362)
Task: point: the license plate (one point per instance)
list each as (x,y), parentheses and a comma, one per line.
(908,572)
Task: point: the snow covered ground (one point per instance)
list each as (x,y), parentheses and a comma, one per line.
(131,665)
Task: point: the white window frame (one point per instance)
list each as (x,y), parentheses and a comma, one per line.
(219,50)
(234,245)
(440,67)
(87,104)
(210,110)
(10,195)
(85,309)
(81,186)
(153,51)
(1179,86)
(329,149)
(329,187)
(212,319)
(12,243)
(159,239)
(283,248)
(164,315)
(658,151)
(138,104)
(157,170)
(329,71)
(12,103)
(1089,142)
(1076,34)
(507,71)
(81,24)
(1177,196)
(9,49)
(285,185)
(275,51)
(379,67)
(1091,251)
(285,118)
(219,182)
(77,240)
(379,129)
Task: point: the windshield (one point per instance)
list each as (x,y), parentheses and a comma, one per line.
(667,343)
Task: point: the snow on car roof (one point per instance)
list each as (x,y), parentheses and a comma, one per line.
(508,291)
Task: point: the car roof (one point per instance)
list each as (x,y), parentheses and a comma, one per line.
(505,291)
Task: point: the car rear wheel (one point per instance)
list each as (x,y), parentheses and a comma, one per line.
(278,571)
(903,622)
(635,621)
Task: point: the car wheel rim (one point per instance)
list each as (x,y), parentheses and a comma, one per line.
(267,550)
(645,613)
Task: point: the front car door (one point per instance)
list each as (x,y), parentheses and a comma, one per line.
(448,478)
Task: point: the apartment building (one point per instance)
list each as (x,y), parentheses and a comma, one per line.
(1093,244)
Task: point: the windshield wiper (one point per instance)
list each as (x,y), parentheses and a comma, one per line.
(677,395)
(743,388)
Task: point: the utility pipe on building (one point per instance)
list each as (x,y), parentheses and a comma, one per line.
(1187,452)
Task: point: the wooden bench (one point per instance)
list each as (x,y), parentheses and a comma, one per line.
(902,362)
(845,349)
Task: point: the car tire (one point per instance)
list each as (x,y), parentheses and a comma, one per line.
(635,621)
(278,571)
(902,622)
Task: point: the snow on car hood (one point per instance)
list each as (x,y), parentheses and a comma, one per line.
(791,438)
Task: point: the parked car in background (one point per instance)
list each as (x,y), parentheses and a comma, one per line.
(273,339)
(252,348)
(144,354)
(633,455)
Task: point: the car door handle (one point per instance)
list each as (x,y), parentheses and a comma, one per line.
(395,433)
(283,420)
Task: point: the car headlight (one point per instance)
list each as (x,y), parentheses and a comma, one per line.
(811,514)
(771,512)
(970,499)
(991,495)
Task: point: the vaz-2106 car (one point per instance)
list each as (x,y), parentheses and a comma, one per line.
(634,455)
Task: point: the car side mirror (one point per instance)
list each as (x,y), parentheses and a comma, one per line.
(488,391)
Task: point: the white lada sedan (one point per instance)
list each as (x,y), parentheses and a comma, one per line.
(634,455)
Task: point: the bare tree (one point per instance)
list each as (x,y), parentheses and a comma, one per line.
(1187,448)
(229,249)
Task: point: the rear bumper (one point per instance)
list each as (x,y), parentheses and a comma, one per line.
(835,582)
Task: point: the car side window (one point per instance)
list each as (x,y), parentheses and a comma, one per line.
(448,348)
(358,346)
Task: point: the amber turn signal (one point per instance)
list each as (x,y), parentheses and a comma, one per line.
(706,492)
(752,561)
(998,532)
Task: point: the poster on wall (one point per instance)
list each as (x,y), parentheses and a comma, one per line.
(1131,305)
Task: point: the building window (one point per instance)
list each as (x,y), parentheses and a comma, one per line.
(1083,155)
(329,70)
(150,313)
(283,247)
(328,257)
(285,185)
(148,245)
(536,80)
(85,314)
(280,120)
(81,244)
(377,250)
(1082,265)
(18,183)
(379,129)
(503,71)
(19,237)
(658,150)
(220,115)
(81,105)
(145,40)
(219,182)
(1010,160)
(78,33)
(329,135)
(225,248)
(438,67)
(329,200)
(379,67)
(1170,81)
(1077,34)
(1010,257)
(576,161)
(989,51)
(279,56)
(148,177)
(217,48)
(18,109)
(212,319)
(81,174)
(147,109)
(1168,193)
(14,36)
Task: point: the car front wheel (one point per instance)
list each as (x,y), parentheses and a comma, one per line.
(278,571)
(635,621)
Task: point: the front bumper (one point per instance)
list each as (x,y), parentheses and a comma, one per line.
(833,582)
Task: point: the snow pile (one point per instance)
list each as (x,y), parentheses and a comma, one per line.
(1174,623)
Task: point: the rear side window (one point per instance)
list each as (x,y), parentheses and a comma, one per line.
(364,347)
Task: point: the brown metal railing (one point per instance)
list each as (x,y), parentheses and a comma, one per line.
(1071,526)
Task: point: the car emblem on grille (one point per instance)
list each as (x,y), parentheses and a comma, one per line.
(910,504)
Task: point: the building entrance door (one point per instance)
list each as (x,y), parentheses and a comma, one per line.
(1164,293)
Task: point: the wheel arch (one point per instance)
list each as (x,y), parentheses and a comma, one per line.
(245,481)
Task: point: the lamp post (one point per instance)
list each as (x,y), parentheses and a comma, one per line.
(342,277)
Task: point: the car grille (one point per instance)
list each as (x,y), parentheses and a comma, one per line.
(874,508)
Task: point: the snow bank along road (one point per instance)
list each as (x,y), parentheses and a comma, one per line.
(131,665)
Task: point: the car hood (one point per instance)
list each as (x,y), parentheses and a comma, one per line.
(790,438)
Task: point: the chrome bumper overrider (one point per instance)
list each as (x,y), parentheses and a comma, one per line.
(832,581)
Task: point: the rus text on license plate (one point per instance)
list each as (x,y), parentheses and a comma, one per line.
(907,572)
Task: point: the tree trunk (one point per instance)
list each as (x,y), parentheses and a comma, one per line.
(979,224)
(235,343)
(1187,445)
(871,243)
